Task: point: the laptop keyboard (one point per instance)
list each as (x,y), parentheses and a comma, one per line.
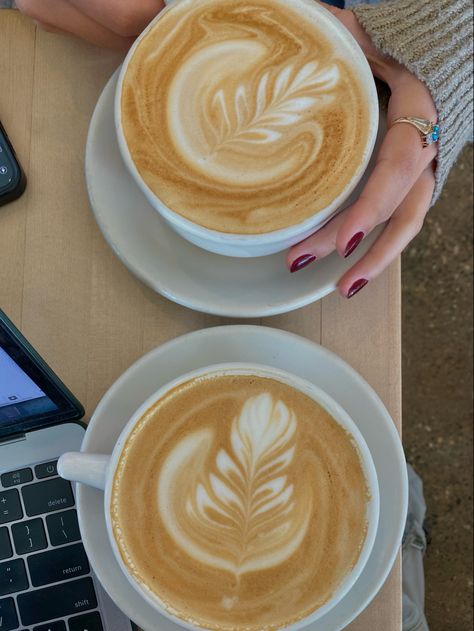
(45,577)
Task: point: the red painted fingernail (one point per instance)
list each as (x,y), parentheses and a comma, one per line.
(357,286)
(353,243)
(302,261)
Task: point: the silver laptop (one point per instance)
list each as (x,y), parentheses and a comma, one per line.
(46,582)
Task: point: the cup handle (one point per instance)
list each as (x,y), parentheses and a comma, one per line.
(90,469)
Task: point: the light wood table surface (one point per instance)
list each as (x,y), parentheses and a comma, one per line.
(80,307)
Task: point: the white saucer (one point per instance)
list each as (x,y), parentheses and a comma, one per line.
(177,269)
(275,348)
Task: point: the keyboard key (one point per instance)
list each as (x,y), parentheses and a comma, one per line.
(12,478)
(10,506)
(58,565)
(57,601)
(8,617)
(12,577)
(29,536)
(44,497)
(46,470)
(63,527)
(87,622)
(51,626)
(5,545)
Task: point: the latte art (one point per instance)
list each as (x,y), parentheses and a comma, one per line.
(253,122)
(244,118)
(242,514)
(239,502)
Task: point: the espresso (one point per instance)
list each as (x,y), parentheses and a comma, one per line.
(239,502)
(245,117)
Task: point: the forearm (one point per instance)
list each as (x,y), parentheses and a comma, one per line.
(432,38)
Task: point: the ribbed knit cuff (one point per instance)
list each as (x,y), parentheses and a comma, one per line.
(433,39)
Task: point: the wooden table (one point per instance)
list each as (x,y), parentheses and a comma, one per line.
(80,307)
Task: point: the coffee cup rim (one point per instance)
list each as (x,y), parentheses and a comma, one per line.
(265,238)
(336,411)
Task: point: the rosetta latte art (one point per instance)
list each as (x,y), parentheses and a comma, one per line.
(245,503)
(293,92)
(239,502)
(244,117)
(274,119)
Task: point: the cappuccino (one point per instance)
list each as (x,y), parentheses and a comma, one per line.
(239,502)
(245,117)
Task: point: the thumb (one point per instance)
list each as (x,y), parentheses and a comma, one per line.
(332,9)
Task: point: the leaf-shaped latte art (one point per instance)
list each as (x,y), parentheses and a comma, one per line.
(240,512)
(278,103)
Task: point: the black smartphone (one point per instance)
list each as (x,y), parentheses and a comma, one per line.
(12,176)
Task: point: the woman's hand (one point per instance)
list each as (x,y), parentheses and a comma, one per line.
(109,23)
(398,191)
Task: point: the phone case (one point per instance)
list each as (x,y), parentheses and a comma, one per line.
(12,176)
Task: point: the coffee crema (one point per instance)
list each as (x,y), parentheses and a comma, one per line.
(239,502)
(244,117)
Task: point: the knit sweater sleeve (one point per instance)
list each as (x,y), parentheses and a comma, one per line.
(433,39)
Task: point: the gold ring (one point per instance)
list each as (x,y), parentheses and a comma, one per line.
(429,132)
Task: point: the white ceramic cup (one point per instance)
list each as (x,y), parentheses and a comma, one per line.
(99,470)
(253,245)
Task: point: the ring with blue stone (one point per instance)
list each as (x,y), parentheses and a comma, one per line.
(429,132)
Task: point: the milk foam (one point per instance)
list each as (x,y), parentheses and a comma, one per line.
(244,118)
(239,502)
(245,501)
(236,130)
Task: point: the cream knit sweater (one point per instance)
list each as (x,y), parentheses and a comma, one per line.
(433,39)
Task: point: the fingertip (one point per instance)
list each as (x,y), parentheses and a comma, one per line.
(356,286)
(315,247)
(349,288)
(301,262)
(343,287)
(341,291)
(300,255)
(353,243)
(349,237)
(353,229)
(291,256)
(332,9)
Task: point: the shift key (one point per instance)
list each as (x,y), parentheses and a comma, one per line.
(57,601)
(47,496)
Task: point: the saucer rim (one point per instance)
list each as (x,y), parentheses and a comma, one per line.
(313,292)
(324,356)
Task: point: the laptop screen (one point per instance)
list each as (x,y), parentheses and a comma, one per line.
(31,395)
(20,396)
